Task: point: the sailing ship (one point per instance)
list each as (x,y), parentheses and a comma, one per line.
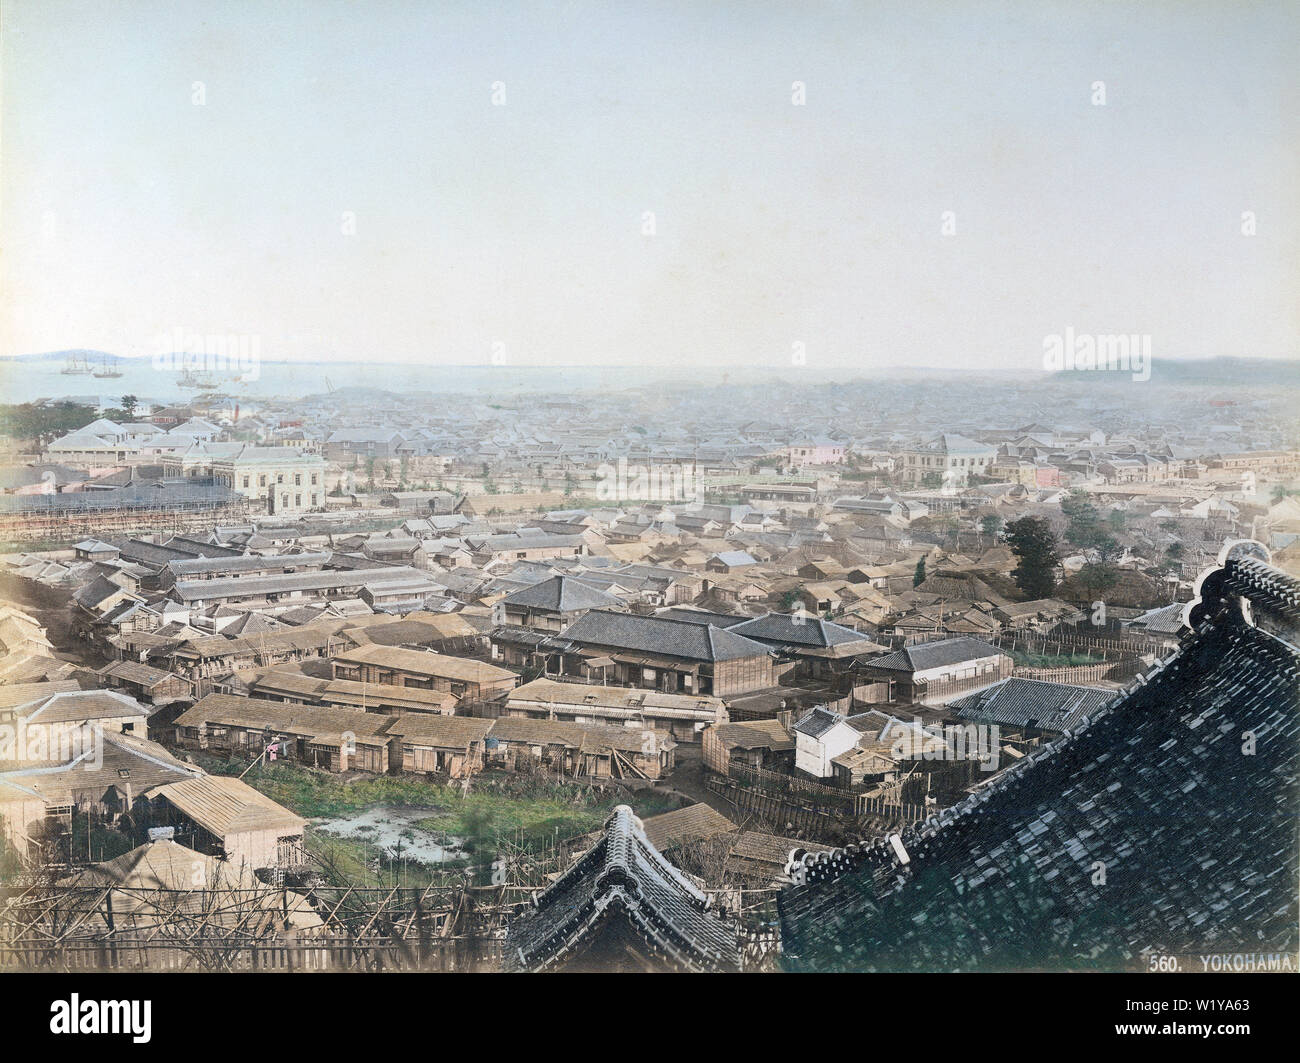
(76,365)
(107,370)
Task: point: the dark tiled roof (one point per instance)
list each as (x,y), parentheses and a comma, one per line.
(935,654)
(702,616)
(793,629)
(1167,620)
(1195,834)
(1018,702)
(656,634)
(622,879)
(818,722)
(199,566)
(561,594)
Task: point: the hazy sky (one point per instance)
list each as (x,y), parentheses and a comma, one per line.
(130,210)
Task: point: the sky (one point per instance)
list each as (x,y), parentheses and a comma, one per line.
(853,185)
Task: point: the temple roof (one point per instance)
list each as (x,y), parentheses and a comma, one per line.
(1165,822)
(624,878)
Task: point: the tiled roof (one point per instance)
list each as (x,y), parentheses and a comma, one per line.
(935,654)
(818,722)
(251,563)
(754,734)
(794,629)
(561,594)
(1019,702)
(80,706)
(1167,620)
(627,701)
(1165,823)
(624,881)
(425,662)
(655,634)
(697,822)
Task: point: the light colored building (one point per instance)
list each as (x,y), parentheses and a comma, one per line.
(284,479)
(814,452)
(819,738)
(951,458)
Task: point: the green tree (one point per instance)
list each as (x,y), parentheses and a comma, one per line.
(40,425)
(991,525)
(1035,547)
(1096,580)
(918,577)
(1108,547)
(1083,522)
(129,403)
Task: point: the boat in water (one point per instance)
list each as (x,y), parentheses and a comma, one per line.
(107,370)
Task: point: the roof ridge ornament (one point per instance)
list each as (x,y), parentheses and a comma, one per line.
(1211,592)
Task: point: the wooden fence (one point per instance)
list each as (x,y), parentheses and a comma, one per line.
(1057,643)
(934,691)
(56,927)
(822,812)
(379,952)
(1116,671)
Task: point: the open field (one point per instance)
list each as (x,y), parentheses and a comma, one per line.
(530,810)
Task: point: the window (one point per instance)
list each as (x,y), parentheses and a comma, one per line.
(313,479)
(261,480)
(297,500)
(297,479)
(246,479)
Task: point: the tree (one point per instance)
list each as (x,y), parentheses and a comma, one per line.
(991,525)
(1108,547)
(41,424)
(918,577)
(1035,547)
(129,403)
(1097,579)
(1083,522)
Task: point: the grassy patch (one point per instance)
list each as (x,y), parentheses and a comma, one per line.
(358,864)
(529,808)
